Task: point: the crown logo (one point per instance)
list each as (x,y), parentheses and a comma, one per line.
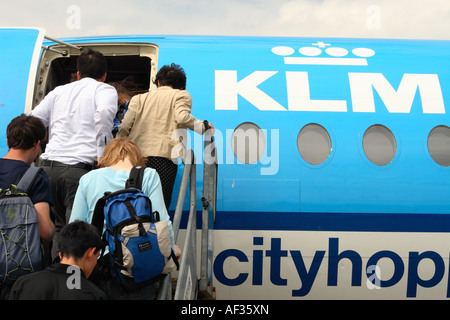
(314,55)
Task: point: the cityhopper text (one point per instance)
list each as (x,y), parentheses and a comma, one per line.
(307,273)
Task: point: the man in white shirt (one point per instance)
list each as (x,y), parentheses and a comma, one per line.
(79,117)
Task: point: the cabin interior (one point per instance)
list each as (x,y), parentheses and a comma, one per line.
(132,65)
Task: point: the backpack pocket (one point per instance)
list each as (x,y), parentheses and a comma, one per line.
(142,257)
(20,249)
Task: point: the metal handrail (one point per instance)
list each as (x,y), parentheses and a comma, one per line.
(188,286)
(189,175)
(187,283)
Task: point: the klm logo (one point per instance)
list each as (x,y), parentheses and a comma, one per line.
(363,85)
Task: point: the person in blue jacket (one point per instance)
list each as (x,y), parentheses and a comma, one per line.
(119,157)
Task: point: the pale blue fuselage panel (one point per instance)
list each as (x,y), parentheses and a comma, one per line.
(343,85)
(353,154)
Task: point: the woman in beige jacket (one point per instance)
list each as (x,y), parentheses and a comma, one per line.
(153,117)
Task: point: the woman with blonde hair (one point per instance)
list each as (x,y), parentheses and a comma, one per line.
(121,152)
(119,157)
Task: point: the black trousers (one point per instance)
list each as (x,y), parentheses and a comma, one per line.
(64,180)
(167,171)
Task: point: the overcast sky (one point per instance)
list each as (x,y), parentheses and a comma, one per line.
(403,19)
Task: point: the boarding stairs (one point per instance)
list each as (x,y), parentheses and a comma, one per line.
(193,280)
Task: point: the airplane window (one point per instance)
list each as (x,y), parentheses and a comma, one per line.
(379,145)
(248,143)
(439,145)
(314,144)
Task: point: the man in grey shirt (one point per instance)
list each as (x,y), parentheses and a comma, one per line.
(79,117)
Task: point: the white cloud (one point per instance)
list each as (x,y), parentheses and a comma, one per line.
(366,18)
(306,18)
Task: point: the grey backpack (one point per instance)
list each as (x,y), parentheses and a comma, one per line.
(20,245)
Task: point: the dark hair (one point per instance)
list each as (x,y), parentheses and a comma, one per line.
(172,75)
(77,237)
(91,64)
(24,131)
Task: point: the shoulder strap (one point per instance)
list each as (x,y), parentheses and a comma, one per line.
(98,217)
(136,178)
(26,182)
(134,181)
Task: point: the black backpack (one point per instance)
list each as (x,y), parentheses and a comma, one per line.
(20,245)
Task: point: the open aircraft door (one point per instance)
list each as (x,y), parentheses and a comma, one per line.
(19,57)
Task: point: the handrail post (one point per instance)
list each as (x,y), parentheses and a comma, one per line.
(210,166)
(185,274)
(187,279)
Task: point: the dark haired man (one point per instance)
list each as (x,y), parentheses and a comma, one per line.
(79,117)
(91,64)
(80,246)
(153,117)
(23,137)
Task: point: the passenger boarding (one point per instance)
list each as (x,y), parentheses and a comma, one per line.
(333,154)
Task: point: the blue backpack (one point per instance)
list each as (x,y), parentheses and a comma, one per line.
(139,243)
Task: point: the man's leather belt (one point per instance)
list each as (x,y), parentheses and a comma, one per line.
(85,166)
